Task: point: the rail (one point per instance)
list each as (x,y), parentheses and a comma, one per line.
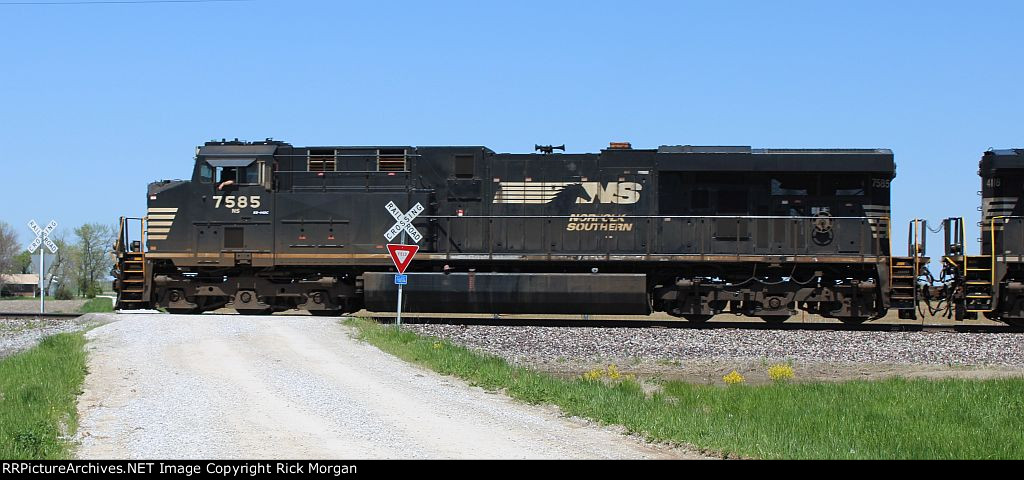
(346,181)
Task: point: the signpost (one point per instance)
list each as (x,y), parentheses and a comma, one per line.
(402,254)
(42,238)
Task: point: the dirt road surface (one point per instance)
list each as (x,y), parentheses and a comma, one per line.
(229,386)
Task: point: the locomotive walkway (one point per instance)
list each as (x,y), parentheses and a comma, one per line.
(229,386)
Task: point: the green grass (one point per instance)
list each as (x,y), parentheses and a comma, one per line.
(891,419)
(98,304)
(38,392)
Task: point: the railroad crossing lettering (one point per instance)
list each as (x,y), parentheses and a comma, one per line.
(42,236)
(404,221)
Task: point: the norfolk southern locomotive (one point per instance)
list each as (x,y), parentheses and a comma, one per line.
(991,283)
(688,230)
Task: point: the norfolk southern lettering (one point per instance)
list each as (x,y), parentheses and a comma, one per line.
(591,222)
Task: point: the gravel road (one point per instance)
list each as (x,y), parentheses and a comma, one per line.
(228,386)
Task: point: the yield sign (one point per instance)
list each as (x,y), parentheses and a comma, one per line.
(402,255)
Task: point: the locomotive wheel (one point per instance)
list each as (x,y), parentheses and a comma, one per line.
(853,320)
(183,311)
(775,318)
(252,311)
(697,318)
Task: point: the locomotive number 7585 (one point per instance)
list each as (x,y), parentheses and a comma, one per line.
(232,201)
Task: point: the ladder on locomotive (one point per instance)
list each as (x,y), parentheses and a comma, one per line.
(905,271)
(131,265)
(977,271)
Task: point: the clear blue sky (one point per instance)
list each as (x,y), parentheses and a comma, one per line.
(98,100)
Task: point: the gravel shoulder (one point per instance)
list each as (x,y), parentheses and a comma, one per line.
(19,334)
(219,386)
(52,306)
(704,356)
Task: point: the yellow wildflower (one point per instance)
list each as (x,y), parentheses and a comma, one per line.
(733,378)
(613,372)
(780,372)
(594,374)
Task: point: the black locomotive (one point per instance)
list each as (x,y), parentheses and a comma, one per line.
(689,230)
(991,283)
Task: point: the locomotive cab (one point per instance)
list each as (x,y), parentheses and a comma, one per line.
(993,282)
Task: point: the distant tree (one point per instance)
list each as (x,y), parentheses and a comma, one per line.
(64,269)
(8,249)
(95,241)
(22,263)
(58,270)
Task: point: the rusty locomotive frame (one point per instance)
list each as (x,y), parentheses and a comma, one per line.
(688,230)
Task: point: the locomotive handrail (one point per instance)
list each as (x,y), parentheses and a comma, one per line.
(250,154)
(317,172)
(689,234)
(123,238)
(616,216)
(992,233)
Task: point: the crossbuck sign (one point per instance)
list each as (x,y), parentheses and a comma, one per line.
(403,221)
(42,238)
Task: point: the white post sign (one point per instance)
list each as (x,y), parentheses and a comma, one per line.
(42,238)
(403,224)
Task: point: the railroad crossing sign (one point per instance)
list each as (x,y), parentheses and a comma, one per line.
(403,221)
(42,238)
(402,255)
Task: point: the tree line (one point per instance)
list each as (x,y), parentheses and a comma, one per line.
(81,265)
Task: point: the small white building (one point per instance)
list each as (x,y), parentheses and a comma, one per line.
(19,285)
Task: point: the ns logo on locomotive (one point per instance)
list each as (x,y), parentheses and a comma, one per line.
(689,230)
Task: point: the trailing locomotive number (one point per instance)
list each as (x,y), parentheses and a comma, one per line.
(236,203)
(880,182)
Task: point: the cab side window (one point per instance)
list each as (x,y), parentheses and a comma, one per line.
(250,174)
(205,173)
(228,174)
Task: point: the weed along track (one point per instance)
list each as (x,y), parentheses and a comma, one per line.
(786,413)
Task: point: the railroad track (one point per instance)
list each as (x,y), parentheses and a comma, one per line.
(577,321)
(710,325)
(38,316)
